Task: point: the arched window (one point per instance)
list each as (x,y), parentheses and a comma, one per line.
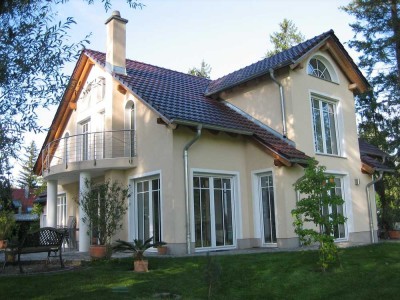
(66,149)
(320,67)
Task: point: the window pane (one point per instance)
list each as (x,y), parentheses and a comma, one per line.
(317,127)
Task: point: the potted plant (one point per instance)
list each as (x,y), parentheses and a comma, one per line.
(7,224)
(162,249)
(104,205)
(138,247)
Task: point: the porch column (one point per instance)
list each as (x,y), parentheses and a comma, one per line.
(51,203)
(83,228)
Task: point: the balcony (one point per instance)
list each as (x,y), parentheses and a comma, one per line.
(90,151)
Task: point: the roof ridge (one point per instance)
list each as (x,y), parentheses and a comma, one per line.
(283,54)
(151,65)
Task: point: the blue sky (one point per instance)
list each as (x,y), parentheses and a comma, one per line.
(179,34)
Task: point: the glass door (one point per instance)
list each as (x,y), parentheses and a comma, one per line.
(213,211)
(267,203)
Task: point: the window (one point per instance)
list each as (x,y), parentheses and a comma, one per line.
(62,211)
(85,140)
(318,69)
(213,211)
(148,209)
(324,125)
(266,194)
(339,230)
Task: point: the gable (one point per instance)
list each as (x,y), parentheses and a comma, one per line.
(294,58)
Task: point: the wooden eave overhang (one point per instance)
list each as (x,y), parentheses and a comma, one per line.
(66,106)
(358,83)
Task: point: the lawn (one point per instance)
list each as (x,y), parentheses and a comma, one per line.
(369,272)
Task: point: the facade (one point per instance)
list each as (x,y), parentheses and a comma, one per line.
(210,164)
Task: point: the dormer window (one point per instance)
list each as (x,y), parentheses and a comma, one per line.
(320,67)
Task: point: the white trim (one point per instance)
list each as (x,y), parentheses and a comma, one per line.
(132,231)
(257,205)
(335,101)
(236,215)
(326,60)
(348,204)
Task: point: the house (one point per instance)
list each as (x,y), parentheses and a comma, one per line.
(22,200)
(211,163)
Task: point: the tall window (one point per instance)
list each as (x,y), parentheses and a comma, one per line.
(266,194)
(148,209)
(324,125)
(339,231)
(85,140)
(62,210)
(213,211)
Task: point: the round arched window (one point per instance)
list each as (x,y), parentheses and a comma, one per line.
(318,69)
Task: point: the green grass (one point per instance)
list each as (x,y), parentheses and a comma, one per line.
(370,272)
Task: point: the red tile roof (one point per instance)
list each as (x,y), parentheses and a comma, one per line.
(181,97)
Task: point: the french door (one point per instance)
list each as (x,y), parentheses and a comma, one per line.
(267,207)
(213,211)
(148,209)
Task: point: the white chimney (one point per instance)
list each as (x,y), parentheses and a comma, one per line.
(116,43)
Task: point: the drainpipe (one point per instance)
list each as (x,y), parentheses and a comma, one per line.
(282,97)
(371,221)
(185,161)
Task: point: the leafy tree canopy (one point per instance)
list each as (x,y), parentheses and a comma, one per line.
(287,37)
(204,70)
(34,49)
(377,39)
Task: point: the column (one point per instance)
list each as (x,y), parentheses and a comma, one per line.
(51,203)
(83,228)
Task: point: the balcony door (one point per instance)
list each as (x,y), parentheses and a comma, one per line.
(85,129)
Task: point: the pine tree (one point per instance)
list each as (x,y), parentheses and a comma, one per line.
(377,39)
(204,71)
(288,36)
(27,178)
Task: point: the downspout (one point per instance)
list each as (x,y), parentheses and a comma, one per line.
(282,97)
(185,161)
(371,221)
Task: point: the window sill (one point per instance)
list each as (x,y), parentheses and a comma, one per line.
(330,155)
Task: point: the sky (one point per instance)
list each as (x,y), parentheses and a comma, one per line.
(179,34)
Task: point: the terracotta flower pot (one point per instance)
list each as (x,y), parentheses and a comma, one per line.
(162,250)
(141,266)
(98,251)
(394,234)
(3,244)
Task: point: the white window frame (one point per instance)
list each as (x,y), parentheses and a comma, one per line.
(62,210)
(258,208)
(341,177)
(236,210)
(133,207)
(328,65)
(334,104)
(85,133)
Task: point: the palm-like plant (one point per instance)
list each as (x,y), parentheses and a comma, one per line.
(138,247)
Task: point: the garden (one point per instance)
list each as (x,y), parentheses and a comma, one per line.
(367,272)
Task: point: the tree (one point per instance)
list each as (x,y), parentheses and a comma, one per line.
(204,71)
(34,49)
(316,214)
(377,39)
(287,37)
(27,178)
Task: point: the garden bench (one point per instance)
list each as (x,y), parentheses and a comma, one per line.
(46,239)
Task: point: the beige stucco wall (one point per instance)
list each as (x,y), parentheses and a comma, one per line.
(260,99)
(160,152)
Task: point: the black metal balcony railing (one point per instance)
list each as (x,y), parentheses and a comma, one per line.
(91,146)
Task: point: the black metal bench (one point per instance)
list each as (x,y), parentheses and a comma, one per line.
(46,239)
